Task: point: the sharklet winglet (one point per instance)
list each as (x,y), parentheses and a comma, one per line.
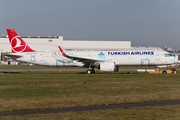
(63,53)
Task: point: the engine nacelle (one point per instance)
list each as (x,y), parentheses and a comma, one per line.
(108,66)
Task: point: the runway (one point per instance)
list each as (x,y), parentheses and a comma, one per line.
(87,108)
(25,70)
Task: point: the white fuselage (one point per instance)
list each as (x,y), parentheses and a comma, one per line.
(121,58)
(41,58)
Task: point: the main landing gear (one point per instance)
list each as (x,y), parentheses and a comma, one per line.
(90,71)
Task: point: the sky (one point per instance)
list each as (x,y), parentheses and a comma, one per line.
(154,23)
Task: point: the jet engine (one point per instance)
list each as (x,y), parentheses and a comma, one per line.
(108,66)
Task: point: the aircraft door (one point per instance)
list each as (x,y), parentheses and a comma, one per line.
(70,60)
(145,62)
(33,57)
(157,56)
(60,63)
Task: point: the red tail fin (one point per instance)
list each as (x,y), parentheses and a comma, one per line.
(17,43)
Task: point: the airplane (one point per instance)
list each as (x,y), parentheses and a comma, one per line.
(102,60)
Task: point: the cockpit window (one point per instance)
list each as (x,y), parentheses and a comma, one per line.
(167,55)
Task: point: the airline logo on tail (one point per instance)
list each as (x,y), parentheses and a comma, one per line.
(17,43)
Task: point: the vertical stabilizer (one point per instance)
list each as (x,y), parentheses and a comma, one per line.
(18,45)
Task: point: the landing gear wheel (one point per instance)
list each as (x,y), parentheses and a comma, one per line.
(93,71)
(164,72)
(90,71)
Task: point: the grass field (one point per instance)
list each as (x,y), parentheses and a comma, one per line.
(39,90)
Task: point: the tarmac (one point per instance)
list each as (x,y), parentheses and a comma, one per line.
(87,108)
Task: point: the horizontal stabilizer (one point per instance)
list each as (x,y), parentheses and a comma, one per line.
(13,56)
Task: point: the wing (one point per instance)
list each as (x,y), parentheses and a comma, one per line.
(80,59)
